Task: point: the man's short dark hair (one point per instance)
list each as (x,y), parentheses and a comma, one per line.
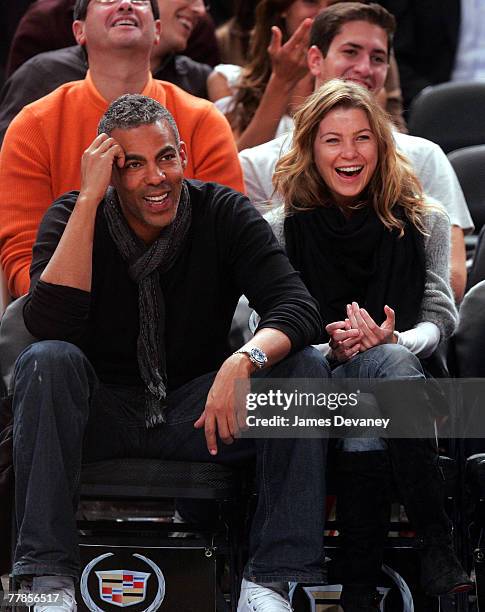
(328,24)
(131,111)
(81,8)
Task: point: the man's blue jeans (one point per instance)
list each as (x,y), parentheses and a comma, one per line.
(63,416)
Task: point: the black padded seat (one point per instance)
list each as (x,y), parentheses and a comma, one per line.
(154,478)
(469,338)
(450,114)
(468,163)
(476,273)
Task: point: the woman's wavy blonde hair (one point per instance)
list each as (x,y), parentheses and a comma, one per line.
(393,183)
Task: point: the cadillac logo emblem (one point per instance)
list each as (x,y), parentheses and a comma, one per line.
(122,588)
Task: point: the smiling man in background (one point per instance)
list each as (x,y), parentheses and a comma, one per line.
(40,153)
(43,72)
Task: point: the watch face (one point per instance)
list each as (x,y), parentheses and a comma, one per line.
(259,356)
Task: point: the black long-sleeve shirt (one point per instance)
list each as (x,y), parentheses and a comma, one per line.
(230,250)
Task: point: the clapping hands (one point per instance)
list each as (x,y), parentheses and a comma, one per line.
(359,332)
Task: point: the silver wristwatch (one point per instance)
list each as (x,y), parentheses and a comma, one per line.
(256,356)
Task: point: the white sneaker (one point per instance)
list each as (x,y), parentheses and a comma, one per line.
(62,586)
(258,598)
(65,602)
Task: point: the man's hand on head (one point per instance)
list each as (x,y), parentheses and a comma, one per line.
(71,262)
(97,165)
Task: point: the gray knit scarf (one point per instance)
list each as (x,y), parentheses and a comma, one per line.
(145,264)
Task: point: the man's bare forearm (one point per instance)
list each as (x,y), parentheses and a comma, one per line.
(71,263)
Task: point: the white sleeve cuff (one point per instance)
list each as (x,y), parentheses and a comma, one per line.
(324,349)
(422,340)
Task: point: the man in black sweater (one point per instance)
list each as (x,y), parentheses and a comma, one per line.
(133,287)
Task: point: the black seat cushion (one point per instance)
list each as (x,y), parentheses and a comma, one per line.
(450,114)
(153,478)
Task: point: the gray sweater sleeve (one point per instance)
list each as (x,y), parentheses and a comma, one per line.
(438,305)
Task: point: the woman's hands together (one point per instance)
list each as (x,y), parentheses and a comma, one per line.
(359,332)
(371,333)
(344,341)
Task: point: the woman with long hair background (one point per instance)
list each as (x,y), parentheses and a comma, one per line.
(276,77)
(260,96)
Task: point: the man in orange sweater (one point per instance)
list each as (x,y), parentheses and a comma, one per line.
(40,156)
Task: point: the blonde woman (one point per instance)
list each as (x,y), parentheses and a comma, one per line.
(374,253)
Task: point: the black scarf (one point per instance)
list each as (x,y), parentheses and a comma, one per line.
(145,264)
(357,259)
